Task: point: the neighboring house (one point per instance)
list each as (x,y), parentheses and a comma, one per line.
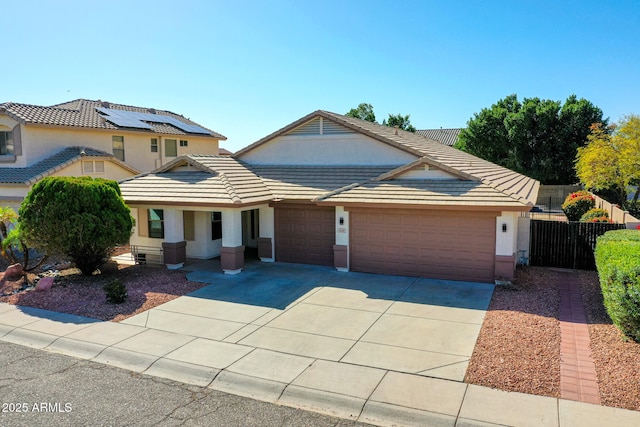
(41,140)
(15,183)
(443,136)
(334,190)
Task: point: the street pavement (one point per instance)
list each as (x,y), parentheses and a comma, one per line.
(40,388)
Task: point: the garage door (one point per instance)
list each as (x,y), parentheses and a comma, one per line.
(305,234)
(438,244)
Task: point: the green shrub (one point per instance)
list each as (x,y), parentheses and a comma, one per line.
(595,215)
(618,263)
(577,204)
(81,218)
(116,291)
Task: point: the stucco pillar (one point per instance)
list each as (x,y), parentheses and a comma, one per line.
(341,248)
(232,250)
(266,250)
(506,245)
(174,246)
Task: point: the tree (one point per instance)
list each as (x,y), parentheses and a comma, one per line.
(12,246)
(82,218)
(402,122)
(535,137)
(611,159)
(363,111)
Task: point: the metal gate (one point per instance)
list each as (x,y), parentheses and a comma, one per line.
(566,245)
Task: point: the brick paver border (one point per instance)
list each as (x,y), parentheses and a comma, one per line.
(578,380)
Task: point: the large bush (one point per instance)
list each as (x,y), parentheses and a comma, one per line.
(618,262)
(595,215)
(577,204)
(82,218)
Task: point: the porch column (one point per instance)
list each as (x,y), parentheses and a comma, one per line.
(232,250)
(267,233)
(506,245)
(341,248)
(174,246)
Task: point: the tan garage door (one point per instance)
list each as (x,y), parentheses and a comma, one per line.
(305,234)
(439,244)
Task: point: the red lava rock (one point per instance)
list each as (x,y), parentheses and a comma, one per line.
(44,284)
(14,271)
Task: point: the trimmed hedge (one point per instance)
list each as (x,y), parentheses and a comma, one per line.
(595,215)
(577,204)
(618,263)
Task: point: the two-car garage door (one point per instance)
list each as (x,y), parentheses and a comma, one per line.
(441,244)
(452,245)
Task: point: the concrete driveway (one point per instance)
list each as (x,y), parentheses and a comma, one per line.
(295,315)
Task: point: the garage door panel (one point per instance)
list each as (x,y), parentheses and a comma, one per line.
(305,234)
(427,243)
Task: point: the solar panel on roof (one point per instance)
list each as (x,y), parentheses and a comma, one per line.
(133,119)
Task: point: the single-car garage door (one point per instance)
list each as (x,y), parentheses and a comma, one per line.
(439,244)
(305,234)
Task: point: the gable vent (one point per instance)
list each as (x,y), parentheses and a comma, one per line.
(309,128)
(330,128)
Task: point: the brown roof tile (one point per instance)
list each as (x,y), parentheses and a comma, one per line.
(206,180)
(520,187)
(443,136)
(67,156)
(82,113)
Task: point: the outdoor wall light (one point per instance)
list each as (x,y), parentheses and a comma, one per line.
(341,221)
(504,227)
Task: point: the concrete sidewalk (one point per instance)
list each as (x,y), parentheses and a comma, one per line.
(376,396)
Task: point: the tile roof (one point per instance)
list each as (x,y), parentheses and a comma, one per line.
(459,163)
(222,180)
(443,136)
(82,113)
(206,180)
(308,182)
(31,174)
(441,193)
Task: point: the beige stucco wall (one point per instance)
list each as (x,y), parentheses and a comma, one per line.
(111,170)
(6,122)
(202,247)
(427,172)
(39,143)
(349,149)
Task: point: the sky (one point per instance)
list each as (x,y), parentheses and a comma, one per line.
(247,68)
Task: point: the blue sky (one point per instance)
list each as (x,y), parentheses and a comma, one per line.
(247,68)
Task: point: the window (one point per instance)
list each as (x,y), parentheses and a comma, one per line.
(184,143)
(154,145)
(156,223)
(89,167)
(216,225)
(118,147)
(6,143)
(170,149)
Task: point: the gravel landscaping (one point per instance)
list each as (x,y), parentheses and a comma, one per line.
(518,348)
(147,287)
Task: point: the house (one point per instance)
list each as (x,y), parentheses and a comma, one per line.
(334,190)
(94,138)
(443,136)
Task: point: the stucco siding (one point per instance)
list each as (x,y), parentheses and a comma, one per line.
(345,150)
(41,142)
